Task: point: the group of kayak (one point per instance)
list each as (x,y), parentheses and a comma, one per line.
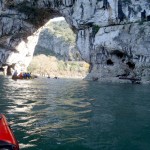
(7,138)
(22,76)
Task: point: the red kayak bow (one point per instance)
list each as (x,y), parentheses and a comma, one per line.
(7,138)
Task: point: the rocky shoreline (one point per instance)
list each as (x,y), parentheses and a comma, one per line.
(115,80)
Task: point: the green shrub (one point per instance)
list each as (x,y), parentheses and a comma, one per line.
(95,29)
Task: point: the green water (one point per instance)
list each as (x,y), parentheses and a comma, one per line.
(61,114)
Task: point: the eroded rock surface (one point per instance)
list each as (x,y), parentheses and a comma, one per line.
(112,35)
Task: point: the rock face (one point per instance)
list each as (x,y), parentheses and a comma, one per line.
(112,35)
(56,38)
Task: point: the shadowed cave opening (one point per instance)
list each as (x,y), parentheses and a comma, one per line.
(1,69)
(131,65)
(110,62)
(148,18)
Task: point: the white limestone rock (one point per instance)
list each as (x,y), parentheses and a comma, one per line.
(112,35)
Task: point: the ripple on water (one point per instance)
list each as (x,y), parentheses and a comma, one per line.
(74,114)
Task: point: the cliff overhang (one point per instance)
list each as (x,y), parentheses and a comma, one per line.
(112,35)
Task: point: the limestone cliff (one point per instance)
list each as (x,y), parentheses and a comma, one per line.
(112,35)
(56,38)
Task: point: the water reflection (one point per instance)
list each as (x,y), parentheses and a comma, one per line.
(72,114)
(39,108)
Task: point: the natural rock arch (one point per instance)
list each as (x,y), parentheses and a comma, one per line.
(19,20)
(99,30)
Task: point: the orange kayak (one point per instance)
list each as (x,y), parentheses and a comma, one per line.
(7,138)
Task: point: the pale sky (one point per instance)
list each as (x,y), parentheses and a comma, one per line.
(57,19)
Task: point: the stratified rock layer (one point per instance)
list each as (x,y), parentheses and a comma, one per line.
(112,35)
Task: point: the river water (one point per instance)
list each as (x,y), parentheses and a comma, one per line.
(62,114)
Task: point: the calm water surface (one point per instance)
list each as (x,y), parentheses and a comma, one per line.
(50,114)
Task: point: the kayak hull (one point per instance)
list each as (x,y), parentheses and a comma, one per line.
(7,138)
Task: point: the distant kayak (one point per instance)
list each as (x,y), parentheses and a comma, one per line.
(7,138)
(21,78)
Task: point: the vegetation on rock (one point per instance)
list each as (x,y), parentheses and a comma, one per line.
(62,29)
(50,66)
